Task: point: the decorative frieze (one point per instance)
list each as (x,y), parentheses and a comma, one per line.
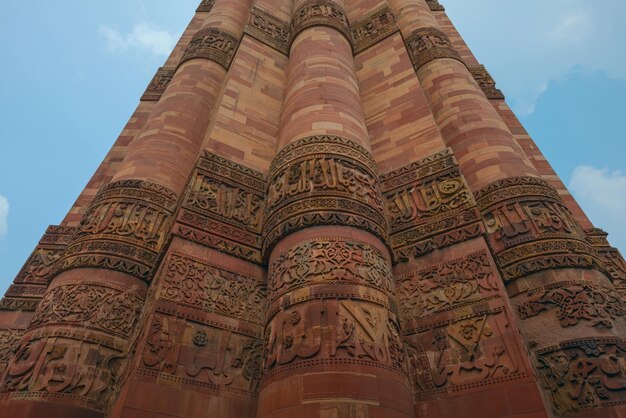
(9,337)
(212,44)
(427,44)
(530,229)
(159,83)
(323,180)
(223,207)
(373,28)
(486,82)
(266,28)
(584,374)
(429,206)
(320,13)
(124,229)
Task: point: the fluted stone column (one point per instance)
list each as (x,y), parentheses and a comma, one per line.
(72,359)
(570,315)
(332,338)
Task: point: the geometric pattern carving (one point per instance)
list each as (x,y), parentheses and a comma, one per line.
(613,259)
(427,44)
(159,83)
(531,230)
(266,28)
(223,207)
(323,180)
(124,229)
(429,206)
(212,44)
(435,6)
(373,28)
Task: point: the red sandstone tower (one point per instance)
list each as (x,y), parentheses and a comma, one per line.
(320,209)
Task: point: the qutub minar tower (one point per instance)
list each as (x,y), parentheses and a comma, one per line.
(320,209)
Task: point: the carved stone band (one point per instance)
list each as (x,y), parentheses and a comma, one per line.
(212,44)
(583,374)
(373,27)
(269,30)
(124,229)
(320,13)
(530,228)
(158,85)
(323,180)
(427,44)
(329,261)
(486,82)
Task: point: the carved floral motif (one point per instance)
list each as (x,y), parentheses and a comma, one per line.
(193,283)
(90,305)
(444,286)
(584,374)
(574,302)
(324,261)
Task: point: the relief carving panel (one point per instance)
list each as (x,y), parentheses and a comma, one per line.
(583,374)
(334,332)
(178,350)
(463,353)
(193,283)
(320,13)
(445,286)
(269,30)
(326,261)
(159,83)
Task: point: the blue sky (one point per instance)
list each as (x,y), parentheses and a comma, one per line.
(72,74)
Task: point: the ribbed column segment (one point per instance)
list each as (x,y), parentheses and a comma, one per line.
(554,277)
(332,337)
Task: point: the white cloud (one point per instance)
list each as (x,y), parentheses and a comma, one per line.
(4,215)
(143,36)
(602,194)
(529,44)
